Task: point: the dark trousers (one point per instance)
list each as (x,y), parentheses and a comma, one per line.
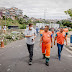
(60,47)
(37,31)
(30,50)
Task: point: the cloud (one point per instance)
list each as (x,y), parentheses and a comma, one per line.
(37,7)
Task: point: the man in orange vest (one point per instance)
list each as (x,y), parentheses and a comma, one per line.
(66,31)
(46,43)
(60,37)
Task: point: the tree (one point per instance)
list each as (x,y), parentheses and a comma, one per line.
(69,12)
(25,16)
(3,17)
(22,21)
(58,22)
(29,21)
(65,23)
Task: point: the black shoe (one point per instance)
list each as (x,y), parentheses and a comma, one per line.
(43,56)
(47,63)
(30,61)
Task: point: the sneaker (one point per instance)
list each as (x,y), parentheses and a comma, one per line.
(59,59)
(30,62)
(47,63)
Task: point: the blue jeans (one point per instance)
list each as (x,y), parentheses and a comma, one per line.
(60,47)
(37,31)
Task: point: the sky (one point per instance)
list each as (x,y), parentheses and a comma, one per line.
(48,9)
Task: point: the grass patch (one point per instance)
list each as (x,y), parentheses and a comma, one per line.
(10,22)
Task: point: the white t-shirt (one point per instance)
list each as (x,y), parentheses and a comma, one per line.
(30,32)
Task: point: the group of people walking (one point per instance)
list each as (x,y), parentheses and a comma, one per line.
(46,42)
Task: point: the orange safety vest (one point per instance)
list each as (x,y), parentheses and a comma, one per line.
(65,30)
(60,37)
(41,31)
(47,37)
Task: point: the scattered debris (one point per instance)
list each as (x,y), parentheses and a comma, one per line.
(8,69)
(0,64)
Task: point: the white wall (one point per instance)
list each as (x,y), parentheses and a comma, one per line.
(40,25)
(50,25)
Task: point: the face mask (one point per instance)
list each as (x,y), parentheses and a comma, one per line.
(31,28)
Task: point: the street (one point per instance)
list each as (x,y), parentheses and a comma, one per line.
(14,58)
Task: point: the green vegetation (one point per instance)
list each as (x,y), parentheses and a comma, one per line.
(12,36)
(23,26)
(21,21)
(25,16)
(10,22)
(65,23)
(70,29)
(69,12)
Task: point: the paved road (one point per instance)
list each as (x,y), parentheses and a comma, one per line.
(14,58)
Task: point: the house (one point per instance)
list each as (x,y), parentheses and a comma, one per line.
(11,12)
(0,15)
(2,12)
(19,13)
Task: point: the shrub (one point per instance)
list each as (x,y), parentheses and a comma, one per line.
(8,37)
(22,21)
(23,26)
(9,19)
(70,29)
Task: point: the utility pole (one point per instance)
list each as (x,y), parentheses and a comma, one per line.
(5,18)
(45,15)
(67,15)
(61,20)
